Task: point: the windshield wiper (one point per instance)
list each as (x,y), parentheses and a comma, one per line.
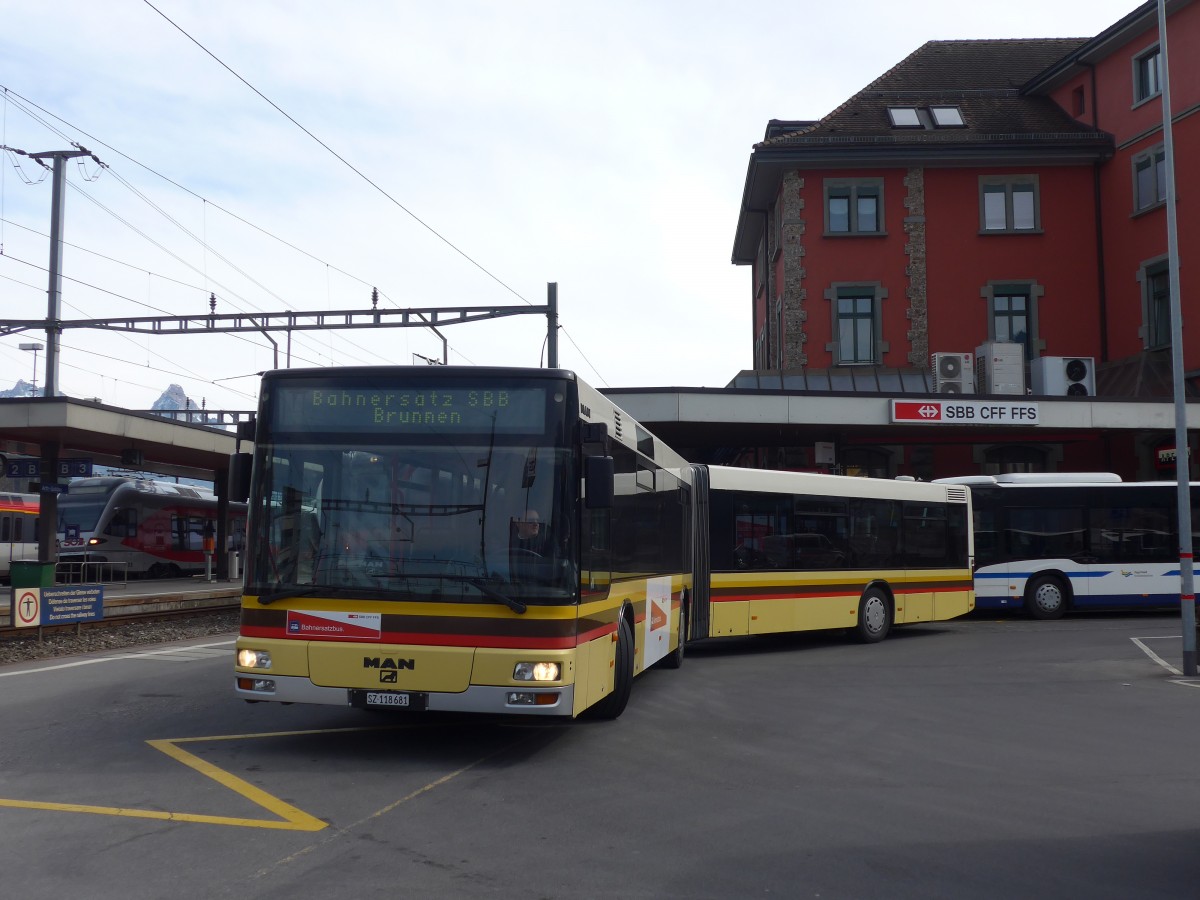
(291,593)
(511,602)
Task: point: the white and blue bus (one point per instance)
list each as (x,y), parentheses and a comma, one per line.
(1050,543)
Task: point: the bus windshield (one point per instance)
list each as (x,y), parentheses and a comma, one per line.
(474,512)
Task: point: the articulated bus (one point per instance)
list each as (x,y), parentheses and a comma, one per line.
(147,528)
(509,541)
(793,551)
(450,539)
(18,531)
(1049,543)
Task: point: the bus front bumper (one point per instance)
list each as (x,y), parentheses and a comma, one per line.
(475,699)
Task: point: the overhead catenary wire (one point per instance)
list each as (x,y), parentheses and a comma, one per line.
(33,265)
(342,159)
(364,177)
(46,123)
(25,104)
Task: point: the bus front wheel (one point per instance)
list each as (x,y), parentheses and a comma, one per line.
(874,616)
(614,704)
(1046,597)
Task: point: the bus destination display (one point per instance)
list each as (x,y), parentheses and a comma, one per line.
(458,408)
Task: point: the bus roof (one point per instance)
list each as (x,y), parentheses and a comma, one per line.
(782,482)
(1034,478)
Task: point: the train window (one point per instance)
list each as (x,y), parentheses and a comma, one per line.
(5,528)
(123,523)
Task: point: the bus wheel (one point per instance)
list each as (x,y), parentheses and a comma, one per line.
(1046,598)
(674,659)
(874,616)
(614,704)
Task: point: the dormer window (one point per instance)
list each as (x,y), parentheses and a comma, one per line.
(904,117)
(947,116)
(927,117)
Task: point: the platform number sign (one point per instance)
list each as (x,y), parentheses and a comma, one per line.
(23,468)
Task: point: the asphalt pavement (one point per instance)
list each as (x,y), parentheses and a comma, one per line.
(980,758)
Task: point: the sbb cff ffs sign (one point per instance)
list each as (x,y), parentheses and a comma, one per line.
(964,412)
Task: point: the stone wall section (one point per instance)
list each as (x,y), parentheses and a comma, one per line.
(917,270)
(792,227)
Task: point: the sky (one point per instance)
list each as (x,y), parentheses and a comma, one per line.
(292,156)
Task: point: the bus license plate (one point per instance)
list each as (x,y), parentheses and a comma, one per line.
(376,698)
(388,699)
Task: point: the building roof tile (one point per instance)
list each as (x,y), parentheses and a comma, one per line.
(983,78)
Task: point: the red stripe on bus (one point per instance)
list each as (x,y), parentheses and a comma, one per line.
(515,642)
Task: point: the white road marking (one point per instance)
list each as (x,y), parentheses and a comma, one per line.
(193,651)
(1154,656)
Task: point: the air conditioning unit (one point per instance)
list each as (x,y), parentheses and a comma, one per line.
(1063,376)
(1000,367)
(953,373)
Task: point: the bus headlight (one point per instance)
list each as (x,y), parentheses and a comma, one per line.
(254,659)
(536,671)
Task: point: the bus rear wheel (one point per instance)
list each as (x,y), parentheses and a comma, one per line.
(614,704)
(1046,597)
(874,616)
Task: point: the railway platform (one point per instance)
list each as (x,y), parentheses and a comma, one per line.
(147,596)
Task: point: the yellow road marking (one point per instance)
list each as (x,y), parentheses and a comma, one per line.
(291,818)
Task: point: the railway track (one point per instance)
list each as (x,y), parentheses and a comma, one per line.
(114,633)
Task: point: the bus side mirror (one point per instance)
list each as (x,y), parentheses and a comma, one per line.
(239,476)
(598,482)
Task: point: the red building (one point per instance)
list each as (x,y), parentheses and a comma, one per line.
(1003,196)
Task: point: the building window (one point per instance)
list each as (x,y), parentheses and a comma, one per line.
(1009,205)
(1010,318)
(947,117)
(904,117)
(857,324)
(853,206)
(856,328)
(1147,75)
(1012,314)
(1149,179)
(1156,292)
(1078,102)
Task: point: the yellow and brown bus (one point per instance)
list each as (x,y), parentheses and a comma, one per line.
(461,539)
(509,541)
(794,551)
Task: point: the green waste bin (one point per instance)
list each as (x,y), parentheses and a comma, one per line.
(32,574)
